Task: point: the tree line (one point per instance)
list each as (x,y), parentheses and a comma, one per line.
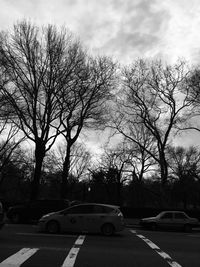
(51,88)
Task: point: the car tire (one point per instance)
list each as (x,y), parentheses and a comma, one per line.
(187,228)
(15,218)
(107,229)
(53,227)
(154,226)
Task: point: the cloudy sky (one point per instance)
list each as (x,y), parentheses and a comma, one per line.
(124,29)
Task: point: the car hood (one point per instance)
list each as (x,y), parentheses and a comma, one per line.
(51,214)
(149,218)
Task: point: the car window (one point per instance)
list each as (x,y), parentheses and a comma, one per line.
(99,209)
(109,210)
(180,215)
(82,209)
(167,215)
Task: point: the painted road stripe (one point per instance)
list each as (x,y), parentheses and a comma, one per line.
(18,258)
(80,240)
(71,257)
(164,255)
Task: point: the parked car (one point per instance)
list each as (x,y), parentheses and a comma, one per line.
(88,217)
(1,215)
(32,211)
(170,219)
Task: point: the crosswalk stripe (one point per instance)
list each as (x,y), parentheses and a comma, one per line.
(71,257)
(18,258)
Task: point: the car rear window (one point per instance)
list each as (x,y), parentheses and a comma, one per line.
(110,209)
(101,209)
(179,215)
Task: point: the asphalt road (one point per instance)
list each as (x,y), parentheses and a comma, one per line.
(22,245)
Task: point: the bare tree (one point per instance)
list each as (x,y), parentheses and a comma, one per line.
(79,160)
(10,138)
(190,119)
(38,64)
(184,166)
(184,162)
(84,105)
(151,97)
(8,143)
(115,163)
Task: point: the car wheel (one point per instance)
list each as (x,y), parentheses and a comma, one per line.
(154,226)
(53,227)
(187,228)
(15,218)
(107,229)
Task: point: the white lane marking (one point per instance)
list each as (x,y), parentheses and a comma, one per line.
(71,257)
(47,235)
(18,258)
(164,255)
(80,240)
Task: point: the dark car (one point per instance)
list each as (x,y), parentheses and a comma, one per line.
(32,211)
(1,215)
(171,219)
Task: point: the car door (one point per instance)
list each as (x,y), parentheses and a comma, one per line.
(180,219)
(166,220)
(73,219)
(94,218)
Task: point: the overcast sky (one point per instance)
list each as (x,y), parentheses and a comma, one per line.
(124,29)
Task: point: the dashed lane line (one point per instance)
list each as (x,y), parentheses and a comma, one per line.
(71,257)
(18,258)
(164,255)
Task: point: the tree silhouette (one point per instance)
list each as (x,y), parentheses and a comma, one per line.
(37,64)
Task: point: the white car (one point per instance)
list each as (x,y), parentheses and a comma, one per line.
(90,217)
(170,219)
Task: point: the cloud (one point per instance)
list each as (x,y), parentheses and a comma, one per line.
(137,32)
(182,38)
(126,29)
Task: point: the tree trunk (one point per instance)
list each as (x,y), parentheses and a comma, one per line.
(39,157)
(119,185)
(164,177)
(65,174)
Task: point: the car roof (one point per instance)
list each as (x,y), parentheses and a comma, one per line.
(172,211)
(98,204)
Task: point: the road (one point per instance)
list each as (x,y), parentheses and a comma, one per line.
(23,245)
